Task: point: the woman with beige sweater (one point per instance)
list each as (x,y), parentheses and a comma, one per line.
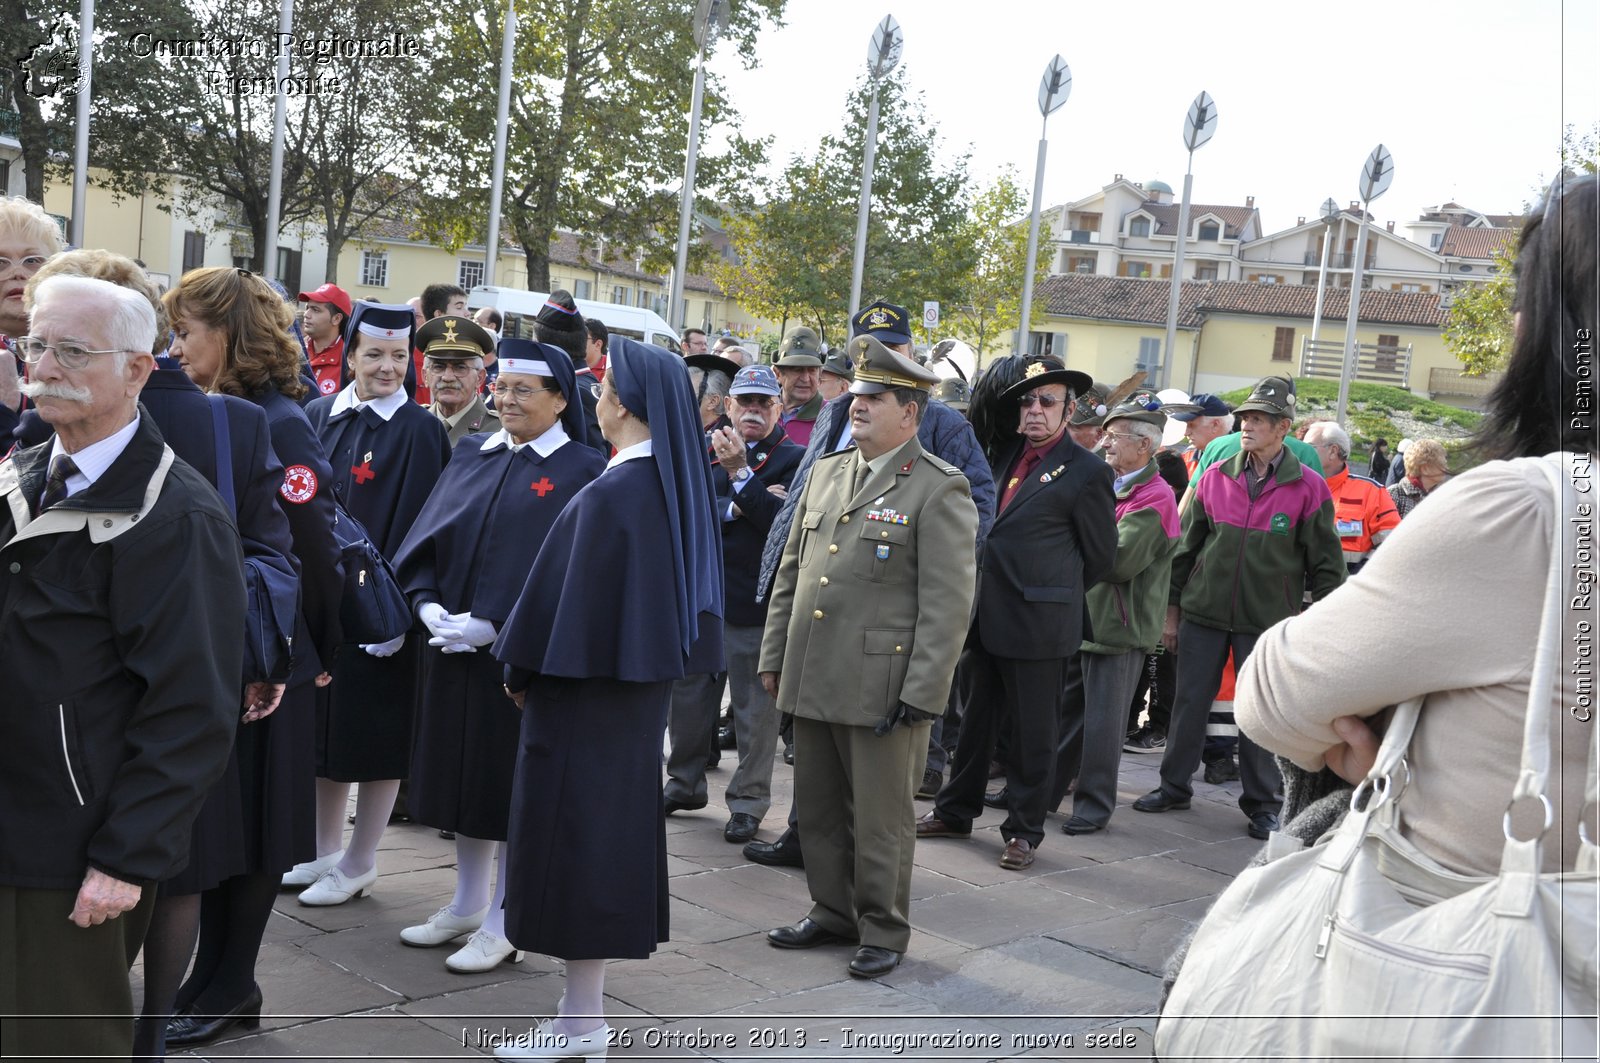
(1459,585)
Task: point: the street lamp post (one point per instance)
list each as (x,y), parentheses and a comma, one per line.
(269,254)
(1198,127)
(710,18)
(1054,89)
(1330,214)
(80,153)
(1376,176)
(883,53)
(508,44)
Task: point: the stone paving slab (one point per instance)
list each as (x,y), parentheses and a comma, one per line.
(1070,948)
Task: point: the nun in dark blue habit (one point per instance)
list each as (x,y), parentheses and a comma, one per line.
(624,597)
(462,566)
(386,453)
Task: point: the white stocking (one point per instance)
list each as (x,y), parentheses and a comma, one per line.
(374,802)
(473,857)
(332,801)
(495,922)
(582,1008)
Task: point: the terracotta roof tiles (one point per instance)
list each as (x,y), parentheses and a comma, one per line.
(1145,301)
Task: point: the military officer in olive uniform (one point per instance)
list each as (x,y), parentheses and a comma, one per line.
(453,353)
(868,613)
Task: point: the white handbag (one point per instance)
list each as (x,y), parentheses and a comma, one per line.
(1363,946)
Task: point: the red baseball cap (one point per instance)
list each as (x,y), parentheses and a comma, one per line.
(329,293)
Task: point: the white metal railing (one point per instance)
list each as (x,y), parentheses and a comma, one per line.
(1375,363)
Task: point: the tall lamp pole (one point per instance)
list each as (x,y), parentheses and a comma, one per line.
(1054,89)
(710,18)
(269,253)
(80,154)
(508,44)
(883,53)
(1377,173)
(1330,214)
(1198,127)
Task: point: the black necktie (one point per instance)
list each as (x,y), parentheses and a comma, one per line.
(55,483)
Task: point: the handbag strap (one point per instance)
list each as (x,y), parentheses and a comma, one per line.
(219,432)
(1520,859)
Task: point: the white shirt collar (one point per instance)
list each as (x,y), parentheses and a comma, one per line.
(638,450)
(545,445)
(93,460)
(385,407)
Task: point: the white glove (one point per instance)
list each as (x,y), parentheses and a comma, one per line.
(474,632)
(385,649)
(432,615)
(455,647)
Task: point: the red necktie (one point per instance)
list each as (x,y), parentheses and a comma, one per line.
(1031,458)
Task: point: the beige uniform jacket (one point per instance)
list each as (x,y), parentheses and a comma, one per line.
(873,595)
(475,418)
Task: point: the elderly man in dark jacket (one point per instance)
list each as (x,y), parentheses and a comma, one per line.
(121,610)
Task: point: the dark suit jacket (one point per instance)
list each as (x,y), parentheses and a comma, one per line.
(772,462)
(1056,538)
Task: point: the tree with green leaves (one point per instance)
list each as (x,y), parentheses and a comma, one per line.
(134,118)
(794,252)
(598,124)
(1479,327)
(993,245)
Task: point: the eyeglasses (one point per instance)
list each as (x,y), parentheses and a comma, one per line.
(754,401)
(521,392)
(1118,437)
(452,367)
(29,264)
(70,355)
(1046,402)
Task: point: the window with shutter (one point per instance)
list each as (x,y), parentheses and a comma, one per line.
(1283,344)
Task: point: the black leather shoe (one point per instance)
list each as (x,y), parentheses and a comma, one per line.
(785,852)
(674,805)
(931,782)
(191,1028)
(1079,825)
(995,798)
(788,754)
(1263,824)
(741,827)
(1221,770)
(1158,801)
(806,934)
(726,738)
(873,962)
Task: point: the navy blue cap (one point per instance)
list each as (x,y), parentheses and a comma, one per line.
(884,322)
(1206,405)
(383,320)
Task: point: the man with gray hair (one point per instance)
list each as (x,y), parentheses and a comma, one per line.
(1363,511)
(122,608)
(1126,611)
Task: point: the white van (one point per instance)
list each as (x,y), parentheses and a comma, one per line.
(519,308)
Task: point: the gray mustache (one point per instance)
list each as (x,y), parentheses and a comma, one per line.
(37,390)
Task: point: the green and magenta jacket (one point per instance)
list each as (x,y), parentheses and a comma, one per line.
(1128,607)
(1242,566)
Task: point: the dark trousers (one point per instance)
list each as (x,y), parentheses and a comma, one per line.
(692,732)
(1092,731)
(1021,700)
(78,977)
(1202,655)
(947,728)
(1157,682)
(856,788)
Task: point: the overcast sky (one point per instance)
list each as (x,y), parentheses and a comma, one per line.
(1470,97)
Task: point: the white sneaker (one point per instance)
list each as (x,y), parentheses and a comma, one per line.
(302,875)
(443,927)
(545,1043)
(482,952)
(334,888)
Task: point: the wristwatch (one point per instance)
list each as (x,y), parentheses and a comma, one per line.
(742,475)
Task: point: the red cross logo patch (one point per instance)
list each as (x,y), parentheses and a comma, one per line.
(299,484)
(543,486)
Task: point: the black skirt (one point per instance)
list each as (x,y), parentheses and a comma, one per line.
(587,853)
(364,715)
(260,817)
(466,746)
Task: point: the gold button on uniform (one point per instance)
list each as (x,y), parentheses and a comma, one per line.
(883,535)
(897,649)
(845,519)
(817,615)
(833,548)
(824,581)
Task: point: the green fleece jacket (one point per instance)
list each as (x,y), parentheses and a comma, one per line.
(1128,607)
(1244,565)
